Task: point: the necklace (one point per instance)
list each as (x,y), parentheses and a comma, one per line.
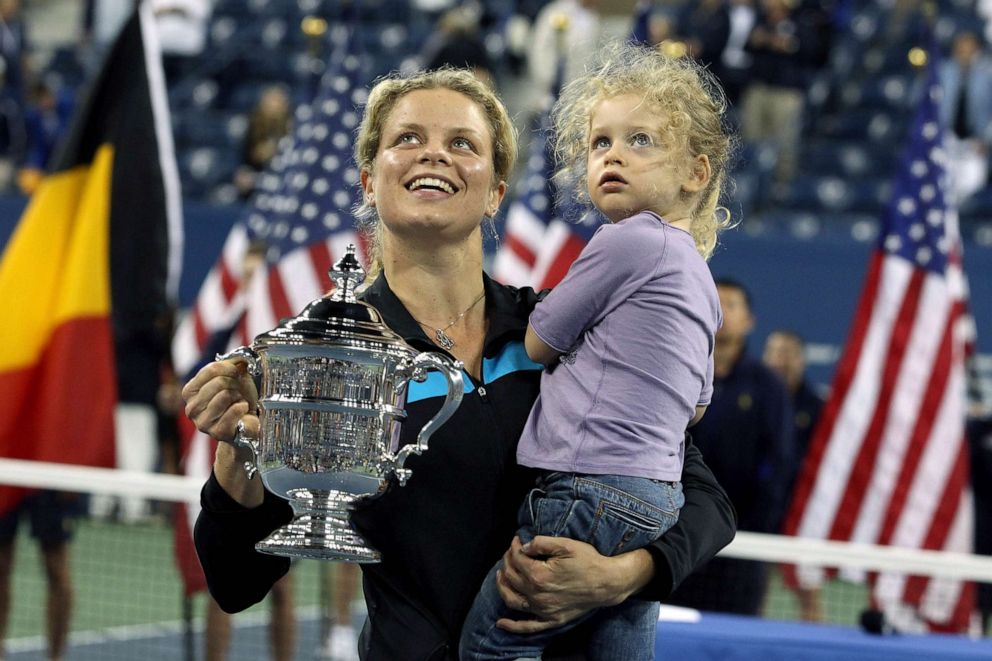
(443,339)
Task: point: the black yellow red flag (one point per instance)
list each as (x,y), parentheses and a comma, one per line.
(88,276)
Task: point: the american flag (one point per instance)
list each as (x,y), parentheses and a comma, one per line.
(888,463)
(302,211)
(541,238)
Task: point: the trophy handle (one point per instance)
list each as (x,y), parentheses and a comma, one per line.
(247,354)
(243,440)
(418,368)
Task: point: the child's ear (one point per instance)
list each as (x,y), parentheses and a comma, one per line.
(699,175)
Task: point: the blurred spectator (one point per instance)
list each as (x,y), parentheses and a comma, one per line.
(102,20)
(341,643)
(746,437)
(53,517)
(570,28)
(14,68)
(785,47)
(705,27)
(980,441)
(268,123)
(966,111)
(282,625)
(734,66)
(785,355)
(182,32)
(46,120)
(457,42)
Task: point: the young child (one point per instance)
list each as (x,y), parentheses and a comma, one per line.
(632,327)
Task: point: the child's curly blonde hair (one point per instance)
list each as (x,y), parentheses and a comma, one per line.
(691,109)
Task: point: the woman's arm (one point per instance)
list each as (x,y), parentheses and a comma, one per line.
(706,524)
(225,536)
(557,579)
(236,512)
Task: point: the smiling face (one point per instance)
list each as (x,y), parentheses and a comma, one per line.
(434,167)
(632,168)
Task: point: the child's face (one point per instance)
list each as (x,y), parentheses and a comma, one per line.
(631,166)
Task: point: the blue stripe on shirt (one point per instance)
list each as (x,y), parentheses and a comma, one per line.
(512,358)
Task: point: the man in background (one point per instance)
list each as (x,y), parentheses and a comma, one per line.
(746,437)
(785,354)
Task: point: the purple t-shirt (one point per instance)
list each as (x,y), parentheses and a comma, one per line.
(635,320)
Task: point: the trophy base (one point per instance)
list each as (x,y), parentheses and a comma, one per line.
(319,530)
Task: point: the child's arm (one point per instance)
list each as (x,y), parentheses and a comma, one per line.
(537,349)
(700,410)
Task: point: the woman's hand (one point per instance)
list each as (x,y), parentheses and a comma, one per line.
(221,395)
(556,580)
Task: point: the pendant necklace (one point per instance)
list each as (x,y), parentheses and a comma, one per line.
(443,339)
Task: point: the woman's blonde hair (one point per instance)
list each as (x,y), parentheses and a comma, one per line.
(384,96)
(691,105)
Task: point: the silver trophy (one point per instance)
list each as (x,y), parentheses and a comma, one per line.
(330,406)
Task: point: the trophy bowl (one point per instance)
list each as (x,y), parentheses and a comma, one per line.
(333,387)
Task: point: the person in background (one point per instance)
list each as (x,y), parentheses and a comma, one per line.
(966,111)
(268,123)
(457,42)
(580,23)
(785,47)
(746,435)
(979,433)
(705,28)
(282,625)
(341,642)
(53,516)
(15,74)
(785,354)
(46,121)
(733,67)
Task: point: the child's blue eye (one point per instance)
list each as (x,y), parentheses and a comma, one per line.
(600,143)
(641,139)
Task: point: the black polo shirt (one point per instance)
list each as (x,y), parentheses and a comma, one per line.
(441,533)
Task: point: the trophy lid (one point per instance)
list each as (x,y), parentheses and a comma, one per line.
(337,319)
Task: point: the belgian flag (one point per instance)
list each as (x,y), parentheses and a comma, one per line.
(90,272)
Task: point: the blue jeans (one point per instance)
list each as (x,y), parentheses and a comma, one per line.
(615,514)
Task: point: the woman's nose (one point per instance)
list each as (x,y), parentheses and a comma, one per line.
(435,153)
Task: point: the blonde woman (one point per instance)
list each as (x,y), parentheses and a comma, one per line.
(435,151)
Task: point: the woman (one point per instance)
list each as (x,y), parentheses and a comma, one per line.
(434,151)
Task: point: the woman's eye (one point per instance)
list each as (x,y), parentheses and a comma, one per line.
(408,139)
(461,143)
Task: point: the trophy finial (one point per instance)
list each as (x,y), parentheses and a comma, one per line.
(347,274)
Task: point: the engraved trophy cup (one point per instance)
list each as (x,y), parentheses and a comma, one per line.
(333,387)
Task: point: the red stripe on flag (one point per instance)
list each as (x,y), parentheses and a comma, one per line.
(567,254)
(200,331)
(520,249)
(322,260)
(281,307)
(846,370)
(229,281)
(942,520)
(849,508)
(921,432)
